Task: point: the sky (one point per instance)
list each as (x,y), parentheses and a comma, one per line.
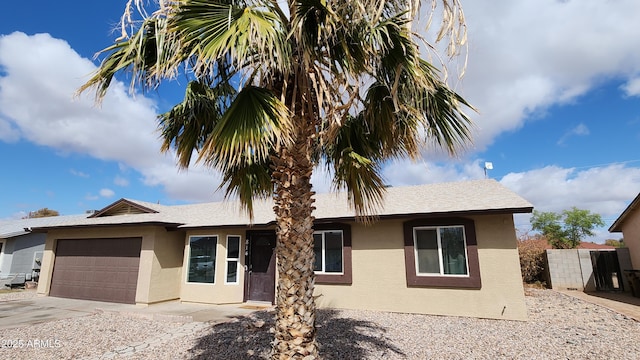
(556,85)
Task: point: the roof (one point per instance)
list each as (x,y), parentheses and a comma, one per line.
(617,225)
(595,246)
(13,228)
(477,196)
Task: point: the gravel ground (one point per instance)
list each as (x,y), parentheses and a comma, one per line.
(559,327)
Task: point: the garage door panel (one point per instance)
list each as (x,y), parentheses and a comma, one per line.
(97,269)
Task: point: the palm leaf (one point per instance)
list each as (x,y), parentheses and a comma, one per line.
(255,122)
(248,182)
(149,55)
(247,34)
(188,124)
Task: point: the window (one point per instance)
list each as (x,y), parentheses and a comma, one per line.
(441,253)
(327,246)
(440,250)
(233,257)
(202,259)
(332,248)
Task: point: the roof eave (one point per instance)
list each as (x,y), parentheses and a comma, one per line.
(617,225)
(168,225)
(522,210)
(501,211)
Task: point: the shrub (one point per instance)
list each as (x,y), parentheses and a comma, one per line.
(532,258)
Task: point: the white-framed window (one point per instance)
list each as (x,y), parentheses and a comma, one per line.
(440,251)
(202,259)
(233,259)
(37,260)
(328,245)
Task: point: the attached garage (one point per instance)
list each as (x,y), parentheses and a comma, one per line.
(97,269)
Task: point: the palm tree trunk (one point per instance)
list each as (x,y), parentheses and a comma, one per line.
(295,332)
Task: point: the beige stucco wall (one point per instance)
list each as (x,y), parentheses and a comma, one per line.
(218,292)
(379,280)
(160,259)
(631,234)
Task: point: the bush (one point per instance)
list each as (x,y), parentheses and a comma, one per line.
(532,258)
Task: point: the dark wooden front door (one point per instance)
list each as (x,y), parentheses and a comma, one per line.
(261,277)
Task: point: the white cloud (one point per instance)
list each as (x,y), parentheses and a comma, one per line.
(197,184)
(632,87)
(106,193)
(580,130)
(8,133)
(37,104)
(554,189)
(79,173)
(520,65)
(603,190)
(121,181)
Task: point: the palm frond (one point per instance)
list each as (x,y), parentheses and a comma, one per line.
(255,122)
(355,156)
(442,113)
(188,124)
(248,34)
(149,55)
(248,182)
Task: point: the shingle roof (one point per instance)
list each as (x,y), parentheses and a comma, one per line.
(13,228)
(617,225)
(455,197)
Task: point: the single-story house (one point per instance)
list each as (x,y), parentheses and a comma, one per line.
(20,249)
(446,249)
(628,223)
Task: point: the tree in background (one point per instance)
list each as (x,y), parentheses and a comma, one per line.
(277,88)
(615,243)
(44,212)
(566,230)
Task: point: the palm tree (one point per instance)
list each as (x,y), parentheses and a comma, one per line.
(276,91)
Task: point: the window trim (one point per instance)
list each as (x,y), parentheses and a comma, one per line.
(470,281)
(345,277)
(215,261)
(237,260)
(324,248)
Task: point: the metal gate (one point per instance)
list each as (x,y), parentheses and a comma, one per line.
(606,271)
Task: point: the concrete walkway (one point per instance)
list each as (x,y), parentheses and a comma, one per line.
(622,303)
(23,312)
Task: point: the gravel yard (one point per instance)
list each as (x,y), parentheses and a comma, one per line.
(559,327)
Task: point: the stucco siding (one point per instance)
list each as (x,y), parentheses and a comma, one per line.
(218,292)
(631,234)
(379,281)
(166,266)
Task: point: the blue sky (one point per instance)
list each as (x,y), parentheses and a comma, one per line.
(558,95)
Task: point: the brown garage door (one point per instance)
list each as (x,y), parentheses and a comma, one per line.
(97,269)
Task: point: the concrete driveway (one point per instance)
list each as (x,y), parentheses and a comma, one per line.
(18,313)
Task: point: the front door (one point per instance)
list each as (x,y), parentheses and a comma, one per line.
(261,270)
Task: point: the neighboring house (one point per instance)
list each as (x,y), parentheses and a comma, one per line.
(628,223)
(20,249)
(446,249)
